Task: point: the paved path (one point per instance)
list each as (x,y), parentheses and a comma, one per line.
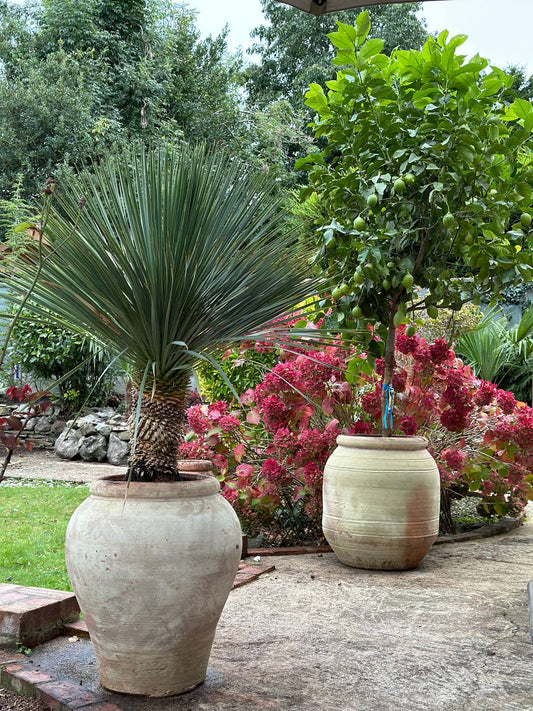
(42,464)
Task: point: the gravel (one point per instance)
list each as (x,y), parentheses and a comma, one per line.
(9,701)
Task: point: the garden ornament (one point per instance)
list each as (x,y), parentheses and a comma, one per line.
(320,7)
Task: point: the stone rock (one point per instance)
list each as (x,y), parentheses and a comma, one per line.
(105,414)
(87,425)
(93,448)
(117,450)
(103,429)
(124,435)
(30,424)
(43,425)
(68,446)
(58,426)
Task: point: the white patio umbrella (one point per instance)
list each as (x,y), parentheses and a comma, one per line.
(319,7)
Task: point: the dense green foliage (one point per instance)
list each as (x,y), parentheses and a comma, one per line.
(47,352)
(294,50)
(105,71)
(244,370)
(33,519)
(420,185)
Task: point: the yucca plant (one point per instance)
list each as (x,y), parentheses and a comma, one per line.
(162,255)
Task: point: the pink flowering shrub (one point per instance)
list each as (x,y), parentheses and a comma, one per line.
(271,453)
(480,436)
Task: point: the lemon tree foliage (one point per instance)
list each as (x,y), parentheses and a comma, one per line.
(423,192)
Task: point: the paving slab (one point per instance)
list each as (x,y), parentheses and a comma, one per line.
(316,635)
(44,464)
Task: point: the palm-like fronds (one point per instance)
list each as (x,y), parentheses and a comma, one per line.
(171,253)
(501,354)
(161,255)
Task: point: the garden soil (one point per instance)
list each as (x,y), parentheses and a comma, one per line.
(315,635)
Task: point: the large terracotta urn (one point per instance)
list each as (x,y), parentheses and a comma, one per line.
(381,501)
(152,565)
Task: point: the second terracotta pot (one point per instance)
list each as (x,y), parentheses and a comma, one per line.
(381,501)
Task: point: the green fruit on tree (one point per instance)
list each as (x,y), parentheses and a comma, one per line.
(359,224)
(336,294)
(410,179)
(410,330)
(357,312)
(344,288)
(408,281)
(448,220)
(386,284)
(432,311)
(372,200)
(399,186)
(525,220)
(398,318)
(469,239)
(358,277)
(391,265)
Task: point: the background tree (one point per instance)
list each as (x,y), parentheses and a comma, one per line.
(77,76)
(294,50)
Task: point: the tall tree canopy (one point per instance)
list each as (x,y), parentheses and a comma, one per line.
(294,51)
(77,76)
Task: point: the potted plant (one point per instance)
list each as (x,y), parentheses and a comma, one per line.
(160,255)
(421,199)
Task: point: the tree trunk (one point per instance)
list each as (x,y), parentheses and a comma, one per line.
(159,433)
(446,521)
(387,394)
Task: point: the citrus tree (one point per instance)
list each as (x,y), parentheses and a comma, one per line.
(422,193)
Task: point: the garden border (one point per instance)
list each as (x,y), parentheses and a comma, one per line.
(504,525)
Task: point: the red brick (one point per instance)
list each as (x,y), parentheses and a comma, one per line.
(30,616)
(79,628)
(23,681)
(63,695)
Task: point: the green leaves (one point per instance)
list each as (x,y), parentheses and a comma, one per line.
(170,246)
(423,180)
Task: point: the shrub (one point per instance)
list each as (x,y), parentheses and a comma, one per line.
(244,367)
(271,454)
(48,352)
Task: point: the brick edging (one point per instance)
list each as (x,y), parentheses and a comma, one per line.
(504,525)
(17,674)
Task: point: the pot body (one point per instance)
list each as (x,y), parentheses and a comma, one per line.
(152,565)
(381,501)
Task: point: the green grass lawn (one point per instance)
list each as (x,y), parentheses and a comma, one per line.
(33,520)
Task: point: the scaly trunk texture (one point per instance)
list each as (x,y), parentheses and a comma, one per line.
(159,433)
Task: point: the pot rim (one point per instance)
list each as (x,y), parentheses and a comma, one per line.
(192,486)
(399,443)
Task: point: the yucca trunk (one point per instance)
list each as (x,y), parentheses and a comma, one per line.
(159,433)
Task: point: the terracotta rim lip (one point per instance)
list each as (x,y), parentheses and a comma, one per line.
(397,443)
(195,485)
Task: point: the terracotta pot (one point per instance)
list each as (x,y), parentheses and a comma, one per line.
(152,565)
(381,501)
